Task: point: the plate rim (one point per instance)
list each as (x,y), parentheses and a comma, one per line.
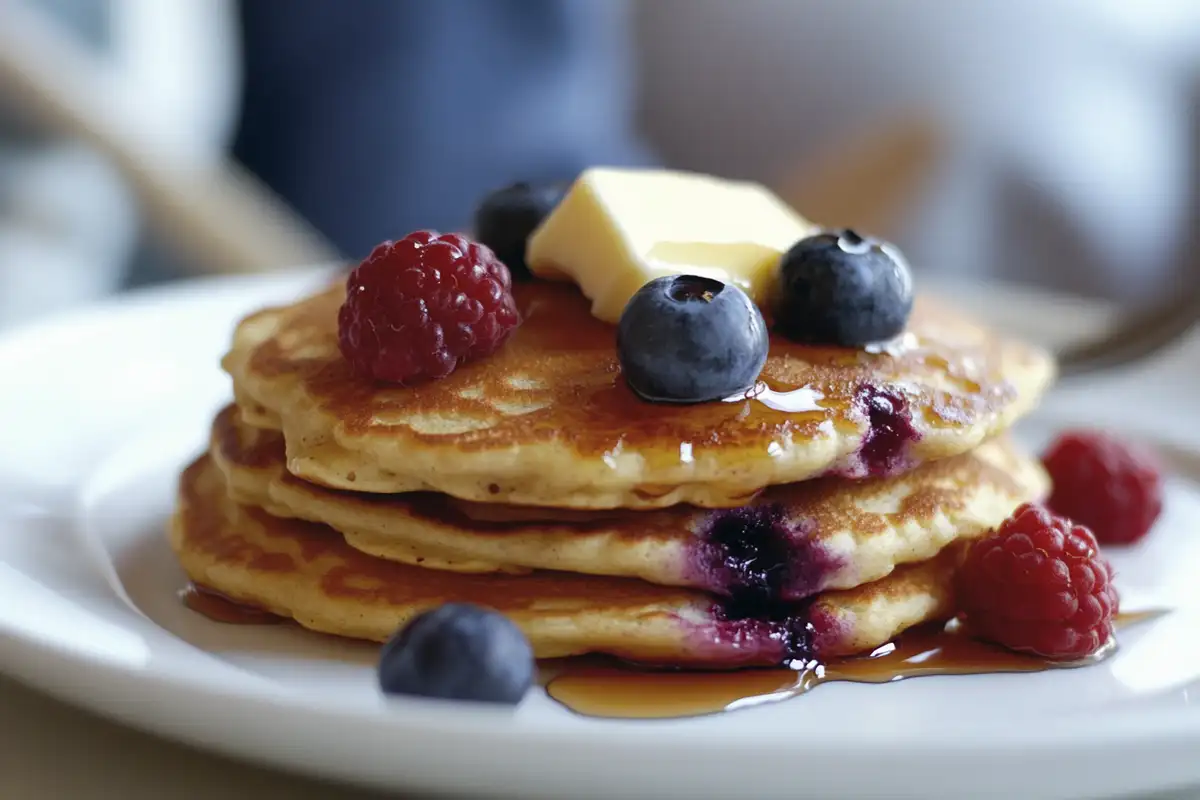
(1133,730)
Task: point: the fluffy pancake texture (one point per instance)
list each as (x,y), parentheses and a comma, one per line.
(790,542)
(307,572)
(548,420)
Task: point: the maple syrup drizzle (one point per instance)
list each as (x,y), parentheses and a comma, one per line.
(220,608)
(608,689)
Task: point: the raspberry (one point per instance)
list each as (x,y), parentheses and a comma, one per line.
(417,308)
(1038,584)
(1113,487)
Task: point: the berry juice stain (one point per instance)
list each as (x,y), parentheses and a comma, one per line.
(756,556)
(890,432)
(777,634)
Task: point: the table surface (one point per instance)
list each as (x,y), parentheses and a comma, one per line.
(51,751)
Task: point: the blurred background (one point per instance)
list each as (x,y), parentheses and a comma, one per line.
(1047,142)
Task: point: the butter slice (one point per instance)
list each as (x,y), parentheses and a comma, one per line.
(618,229)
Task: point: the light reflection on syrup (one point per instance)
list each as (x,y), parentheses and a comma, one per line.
(794,401)
(906,342)
(219,608)
(608,689)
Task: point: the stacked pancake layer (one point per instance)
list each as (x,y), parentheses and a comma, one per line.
(817,516)
(548,420)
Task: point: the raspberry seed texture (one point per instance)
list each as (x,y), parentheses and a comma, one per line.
(1039,585)
(418,308)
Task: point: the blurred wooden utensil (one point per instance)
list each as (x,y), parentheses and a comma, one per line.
(866,180)
(216,215)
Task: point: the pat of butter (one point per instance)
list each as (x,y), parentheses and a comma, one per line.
(618,229)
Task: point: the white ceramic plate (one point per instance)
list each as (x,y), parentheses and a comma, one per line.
(99,410)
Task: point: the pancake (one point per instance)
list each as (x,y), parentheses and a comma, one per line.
(789,543)
(548,420)
(308,573)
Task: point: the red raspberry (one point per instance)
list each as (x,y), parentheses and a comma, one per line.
(1113,487)
(417,308)
(1038,584)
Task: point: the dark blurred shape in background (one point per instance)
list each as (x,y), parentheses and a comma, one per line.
(374,119)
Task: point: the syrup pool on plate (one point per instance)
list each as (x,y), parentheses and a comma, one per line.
(600,687)
(609,689)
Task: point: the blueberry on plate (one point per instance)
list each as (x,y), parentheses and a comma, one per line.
(688,339)
(458,652)
(506,217)
(842,289)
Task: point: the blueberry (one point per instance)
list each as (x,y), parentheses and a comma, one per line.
(687,339)
(458,652)
(506,217)
(843,289)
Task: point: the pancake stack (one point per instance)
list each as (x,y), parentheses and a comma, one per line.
(818,515)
